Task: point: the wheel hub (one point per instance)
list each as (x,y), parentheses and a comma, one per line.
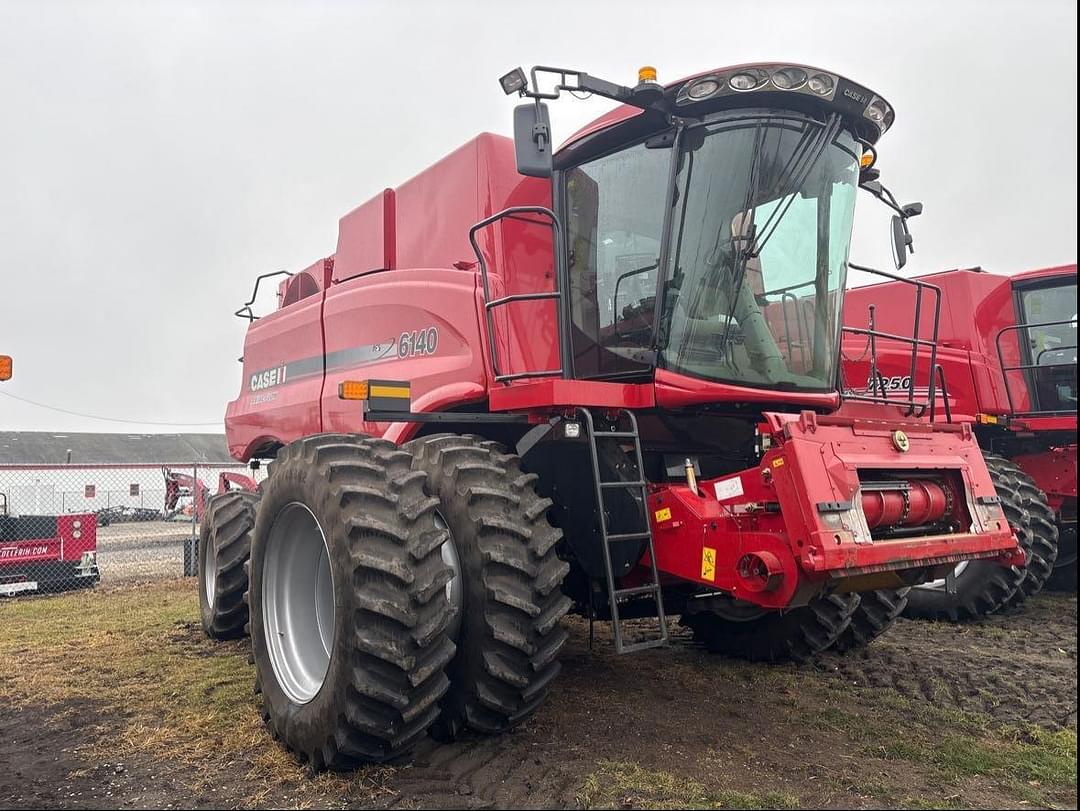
(298,602)
(210,570)
(454,587)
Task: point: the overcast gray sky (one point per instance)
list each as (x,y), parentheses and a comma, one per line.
(155,157)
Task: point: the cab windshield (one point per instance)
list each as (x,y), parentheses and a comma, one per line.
(759,253)
(760,228)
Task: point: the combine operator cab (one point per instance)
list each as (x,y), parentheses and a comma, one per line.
(602,378)
(1038,353)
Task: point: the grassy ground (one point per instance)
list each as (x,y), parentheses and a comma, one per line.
(128,677)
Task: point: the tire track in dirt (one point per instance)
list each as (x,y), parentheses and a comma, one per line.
(1016,668)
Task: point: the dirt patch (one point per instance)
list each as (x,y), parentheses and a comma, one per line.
(45,762)
(1018,668)
(116,699)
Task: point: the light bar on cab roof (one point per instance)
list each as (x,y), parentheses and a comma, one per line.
(785,78)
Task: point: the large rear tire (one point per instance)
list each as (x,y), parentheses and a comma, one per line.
(348,601)
(773,636)
(508,576)
(876,613)
(1064,576)
(982,586)
(224,547)
(1044,534)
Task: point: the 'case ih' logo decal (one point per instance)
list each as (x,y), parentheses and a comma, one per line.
(268,378)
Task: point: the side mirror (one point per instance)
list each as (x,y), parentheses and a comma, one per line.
(901,241)
(532,139)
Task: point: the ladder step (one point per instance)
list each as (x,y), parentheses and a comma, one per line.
(627,536)
(616,596)
(643,645)
(652,588)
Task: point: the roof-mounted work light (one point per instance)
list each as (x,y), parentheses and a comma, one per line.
(513,82)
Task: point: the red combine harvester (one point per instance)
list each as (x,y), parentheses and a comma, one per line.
(573,382)
(47,552)
(1006,350)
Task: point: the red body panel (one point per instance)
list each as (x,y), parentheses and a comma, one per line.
(366,321)
(1054,472)
(975,308)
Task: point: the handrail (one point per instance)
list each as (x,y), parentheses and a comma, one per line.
(915,341)
(490,304)
(245,311)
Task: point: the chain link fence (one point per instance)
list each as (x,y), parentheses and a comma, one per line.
(73,526)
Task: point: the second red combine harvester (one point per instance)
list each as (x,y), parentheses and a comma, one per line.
(1006,348)
(578,382)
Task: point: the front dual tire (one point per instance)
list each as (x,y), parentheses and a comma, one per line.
(395,592)
(507,587)
(348,601)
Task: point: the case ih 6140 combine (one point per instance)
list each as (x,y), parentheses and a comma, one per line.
(1008,359)
(576,383)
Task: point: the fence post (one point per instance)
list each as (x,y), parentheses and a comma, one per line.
(191,547)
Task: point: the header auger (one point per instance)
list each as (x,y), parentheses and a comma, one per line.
(601,379)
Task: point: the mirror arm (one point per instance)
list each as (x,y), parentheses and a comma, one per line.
(584,83)
(541,132)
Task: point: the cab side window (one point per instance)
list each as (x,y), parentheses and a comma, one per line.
(615,219)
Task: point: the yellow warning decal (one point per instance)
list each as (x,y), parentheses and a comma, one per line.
(389,391)
(708,563)
(663,515)
(778,462)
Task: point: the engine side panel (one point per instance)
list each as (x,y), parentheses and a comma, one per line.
(415,325)
(282,380)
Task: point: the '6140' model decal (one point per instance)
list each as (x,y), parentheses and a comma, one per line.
(420,342)
(410,343)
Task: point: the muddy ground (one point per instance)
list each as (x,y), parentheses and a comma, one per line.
(114,699)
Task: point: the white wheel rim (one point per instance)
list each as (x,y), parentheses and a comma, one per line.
(298,602)
(939,584)
(454,586)
(210,569)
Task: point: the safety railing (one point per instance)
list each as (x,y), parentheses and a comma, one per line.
(490,305)
(877,389)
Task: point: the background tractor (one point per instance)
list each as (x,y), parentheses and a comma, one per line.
(530,383)
(1007,358)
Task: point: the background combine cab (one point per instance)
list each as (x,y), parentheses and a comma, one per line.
(1006,364)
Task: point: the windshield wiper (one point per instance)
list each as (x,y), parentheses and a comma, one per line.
(804,158)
